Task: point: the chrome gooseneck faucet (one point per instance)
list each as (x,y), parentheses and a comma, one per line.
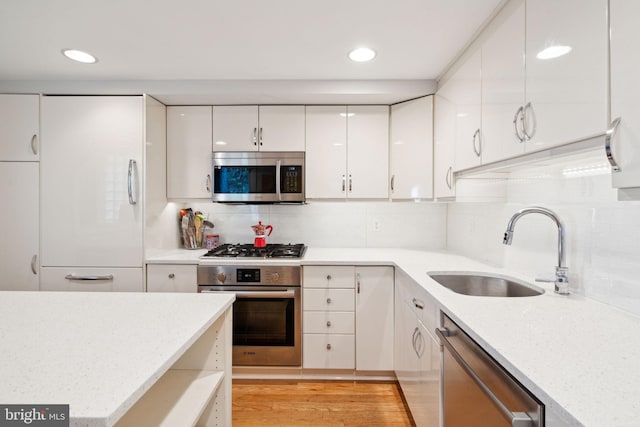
(561,281)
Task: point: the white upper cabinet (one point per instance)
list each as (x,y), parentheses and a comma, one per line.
(91,181)
(347,152)
(503,77)
(189,143)
(326,154)
(566,95)
(625,93)
(258,128)
(444,150)
(463,89)
(368,151)
(19,129)
(412,149)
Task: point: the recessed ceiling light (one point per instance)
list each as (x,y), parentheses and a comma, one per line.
(553,52)
(362,54)
(79,56)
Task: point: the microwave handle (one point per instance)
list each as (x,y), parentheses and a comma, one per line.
(278,182)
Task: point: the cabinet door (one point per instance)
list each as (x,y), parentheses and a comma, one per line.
(406,364)
(281,128)
(568,93)
(412,149)
(235,128)
(19,128)
(326,153)
(172,278)
(368,152)
(503,77)
(444,148)
(625,93)
(91,169)
(426,409)
(464,90)
(374,318)
(189,143)
(19,191)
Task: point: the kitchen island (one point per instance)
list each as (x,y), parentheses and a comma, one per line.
(119,358)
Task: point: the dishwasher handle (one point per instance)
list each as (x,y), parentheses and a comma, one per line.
(518,419)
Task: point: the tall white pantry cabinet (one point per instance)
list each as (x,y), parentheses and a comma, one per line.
(92,192)
(19,181)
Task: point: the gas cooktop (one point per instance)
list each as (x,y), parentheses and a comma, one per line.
(249,251)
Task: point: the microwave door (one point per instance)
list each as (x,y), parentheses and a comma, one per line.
(247,183)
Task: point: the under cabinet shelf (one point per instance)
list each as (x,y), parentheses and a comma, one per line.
(178,398)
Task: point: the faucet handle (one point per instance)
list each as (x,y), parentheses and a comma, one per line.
(560,281)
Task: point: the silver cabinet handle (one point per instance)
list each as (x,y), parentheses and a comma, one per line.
(344,182)
(518,419)
(255,136)
(89,278)
(350,183)
(131,186)
(328,346)
(528,112)
(419,304)
(278,178)
(448,177)
(260,136)
(393,179)
(416,333)
(476,136)
(34,264)
(358,282)
(207,183)
(172,275)
(608,139)
(328,300)
(518,118)
(34,144)
(328,323)
(328,277)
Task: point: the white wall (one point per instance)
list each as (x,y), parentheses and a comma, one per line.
(319,224)
(603,235)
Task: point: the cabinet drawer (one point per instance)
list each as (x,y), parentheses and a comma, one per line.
(325,322)
(328,276)
(328,299)
(114,279)
(328,351)
(172,278)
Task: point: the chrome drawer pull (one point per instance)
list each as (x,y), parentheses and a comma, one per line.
(328,346)
(608,139)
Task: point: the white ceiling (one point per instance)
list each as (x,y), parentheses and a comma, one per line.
(189,50)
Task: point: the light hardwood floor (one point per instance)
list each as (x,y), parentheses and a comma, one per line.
(318,403)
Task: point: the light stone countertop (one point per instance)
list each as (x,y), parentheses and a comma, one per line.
(98,352)
(578,356)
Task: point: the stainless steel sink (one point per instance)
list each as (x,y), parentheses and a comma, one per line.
(484,285)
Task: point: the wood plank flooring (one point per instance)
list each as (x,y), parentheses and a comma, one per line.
(318,403)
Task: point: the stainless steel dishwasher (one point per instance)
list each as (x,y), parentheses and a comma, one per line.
(476,390)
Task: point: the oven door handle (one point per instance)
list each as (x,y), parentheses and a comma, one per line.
(260,294)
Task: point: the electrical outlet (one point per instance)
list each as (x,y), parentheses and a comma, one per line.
(376,225)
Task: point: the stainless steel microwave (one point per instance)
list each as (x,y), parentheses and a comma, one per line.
(258,177)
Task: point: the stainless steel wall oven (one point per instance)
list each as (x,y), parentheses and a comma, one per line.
(267,314)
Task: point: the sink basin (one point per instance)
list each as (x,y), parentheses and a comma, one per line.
(483,285)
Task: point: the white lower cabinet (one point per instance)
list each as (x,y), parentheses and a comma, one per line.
(19,191)
(172,278)
(417,352)
(91,279)
(348,318)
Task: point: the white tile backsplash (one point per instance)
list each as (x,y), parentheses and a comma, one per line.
(319,224)
(602,234)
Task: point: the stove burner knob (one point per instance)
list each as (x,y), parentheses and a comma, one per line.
(222,277)
(275,277)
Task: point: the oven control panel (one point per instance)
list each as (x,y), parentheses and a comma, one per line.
(248,275)
(227,275)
